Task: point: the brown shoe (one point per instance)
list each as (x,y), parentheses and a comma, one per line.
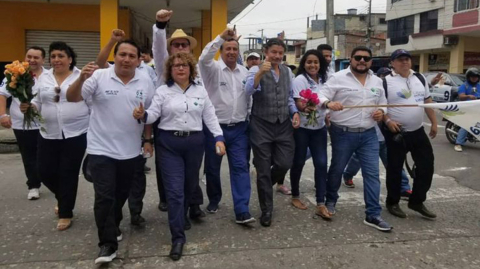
(322,211)
(296,202)
(64,224)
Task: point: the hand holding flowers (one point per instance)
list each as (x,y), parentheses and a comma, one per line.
(309,103)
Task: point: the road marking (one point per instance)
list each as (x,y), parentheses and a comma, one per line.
(457,169)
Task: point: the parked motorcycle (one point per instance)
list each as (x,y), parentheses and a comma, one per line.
(451,131)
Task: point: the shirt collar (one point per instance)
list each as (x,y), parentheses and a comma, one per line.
(170,82)
(114,75)
(394,74)
(51,74)
(370,72)
(223,65)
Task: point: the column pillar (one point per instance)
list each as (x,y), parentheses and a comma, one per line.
(423,63)
(219,14)
(206,28)
(108,21)
(197,34)
(457,55)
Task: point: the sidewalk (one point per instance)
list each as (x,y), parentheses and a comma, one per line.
(8,142)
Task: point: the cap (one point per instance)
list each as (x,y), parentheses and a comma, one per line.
(399,53)
(253,54)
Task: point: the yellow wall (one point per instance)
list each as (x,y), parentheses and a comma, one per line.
(17,17)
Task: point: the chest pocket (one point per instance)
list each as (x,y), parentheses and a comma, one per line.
(196,103)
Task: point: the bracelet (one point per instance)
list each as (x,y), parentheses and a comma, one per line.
(4,116)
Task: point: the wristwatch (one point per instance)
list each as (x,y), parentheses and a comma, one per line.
(148,141)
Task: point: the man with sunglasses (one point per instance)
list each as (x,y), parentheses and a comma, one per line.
(406,134)
(161,46)
(352,131)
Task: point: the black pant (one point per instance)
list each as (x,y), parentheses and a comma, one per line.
(59,162)
(111,181)
(273,149)
(138,188)
(158,169)
(418,143)
(27,143)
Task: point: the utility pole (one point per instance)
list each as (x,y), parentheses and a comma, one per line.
(263,41)
(330,24)
(369,26)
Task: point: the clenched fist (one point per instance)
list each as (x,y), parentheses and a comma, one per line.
(164,15)
(117,35)
(87,70)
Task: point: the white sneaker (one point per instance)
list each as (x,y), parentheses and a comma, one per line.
(33,194)
(458,148)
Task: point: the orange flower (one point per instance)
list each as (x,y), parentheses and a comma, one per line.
(21,70)
(25,65)
(6,72)
(12,85)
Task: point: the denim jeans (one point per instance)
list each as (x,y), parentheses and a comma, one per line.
(461,137)
(353,167)
(365,146)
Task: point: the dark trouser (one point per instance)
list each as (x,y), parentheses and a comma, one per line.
(236,142)
(180,158)
(138,188)
(272,144)
(27,143)
(316,140)
(111,181)
(59,162)
(418,143)
(158,170)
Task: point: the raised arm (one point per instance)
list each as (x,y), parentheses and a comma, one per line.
(74,92)
(102,57)
(159,44)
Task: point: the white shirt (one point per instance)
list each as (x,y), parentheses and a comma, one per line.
(63,118)
(183,111)
(113,131)
(303,82)
(15,114)
(406,91)
(224,86)
(330,72)
(344,87)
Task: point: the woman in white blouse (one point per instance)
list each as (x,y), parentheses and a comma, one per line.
(63,137)
(182,106)
(312,73)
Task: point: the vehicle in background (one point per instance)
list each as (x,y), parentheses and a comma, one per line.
(446,90)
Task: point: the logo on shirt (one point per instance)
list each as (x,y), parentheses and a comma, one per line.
(375,91)
(223,84)
(112,92)
(139,94)
(405,94)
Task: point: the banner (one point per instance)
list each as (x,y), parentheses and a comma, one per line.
(464,114)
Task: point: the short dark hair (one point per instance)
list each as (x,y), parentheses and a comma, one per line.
(275,41)
(361,48)
(38,48)
(324,47)
(230,40)
(62,46)
(128,41)
(322,72)
(146,50)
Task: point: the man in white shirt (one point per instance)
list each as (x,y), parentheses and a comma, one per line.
(26,138)
(352,130)
(405,133)
(147,57)
(223,80)
(114,138)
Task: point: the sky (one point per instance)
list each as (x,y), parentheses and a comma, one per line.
(291,15)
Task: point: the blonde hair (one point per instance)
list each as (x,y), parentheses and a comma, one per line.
(184,57)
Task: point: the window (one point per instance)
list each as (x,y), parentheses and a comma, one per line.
(428,21)
(400,29)
(465,5)
(382,21)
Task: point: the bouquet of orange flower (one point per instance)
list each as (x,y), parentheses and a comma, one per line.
(19,84)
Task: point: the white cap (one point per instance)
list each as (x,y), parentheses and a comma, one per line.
(254,54)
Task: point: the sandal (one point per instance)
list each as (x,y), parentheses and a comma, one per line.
(298,204)
(64,224)
(284,190)
(322,211)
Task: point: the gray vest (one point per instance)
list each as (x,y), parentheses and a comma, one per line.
(271,103)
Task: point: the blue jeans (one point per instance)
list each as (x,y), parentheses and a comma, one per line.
(353,166)
(365,146)
(461,137)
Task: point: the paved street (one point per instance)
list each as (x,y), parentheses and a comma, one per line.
(296,239)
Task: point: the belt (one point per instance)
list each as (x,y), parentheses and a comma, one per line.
(351,130)
(183,133)
(232,124)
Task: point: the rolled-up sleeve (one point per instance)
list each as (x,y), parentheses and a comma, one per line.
(211,120)
(328,91)
(249,84)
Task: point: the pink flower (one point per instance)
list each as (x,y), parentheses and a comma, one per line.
(307,93)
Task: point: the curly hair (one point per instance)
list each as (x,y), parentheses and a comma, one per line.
(185,58)
(322,72)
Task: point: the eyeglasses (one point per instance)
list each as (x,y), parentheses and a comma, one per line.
(56,98)
(178,45)
(358,58)
(178,66)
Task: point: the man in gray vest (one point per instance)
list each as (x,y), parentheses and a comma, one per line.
(271,132)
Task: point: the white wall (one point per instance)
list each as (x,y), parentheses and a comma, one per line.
(405,8)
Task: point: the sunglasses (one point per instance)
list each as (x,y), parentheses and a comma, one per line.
(358,58)
(178,45)
(56,98)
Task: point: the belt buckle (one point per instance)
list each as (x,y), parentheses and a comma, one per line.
(231,125)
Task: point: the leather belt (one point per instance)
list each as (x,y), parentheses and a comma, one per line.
(183,133)
(351,130)
(231,124)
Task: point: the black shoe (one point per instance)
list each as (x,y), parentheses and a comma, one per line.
(163,207)
(146,169)
(396,210)
(196,212)
(244,218)
(420,208)
(266,219)
(137,220)
(212,208)
(176,252)
(107,254)
(187,225)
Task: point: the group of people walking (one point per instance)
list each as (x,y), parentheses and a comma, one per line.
(212,108)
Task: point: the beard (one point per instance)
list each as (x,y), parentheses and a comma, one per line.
(360,71)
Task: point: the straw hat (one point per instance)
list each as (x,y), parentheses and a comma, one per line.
(179,33)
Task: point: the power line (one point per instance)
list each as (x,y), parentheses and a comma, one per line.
(249,10)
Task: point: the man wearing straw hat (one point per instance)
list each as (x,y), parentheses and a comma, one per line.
(352,130)
(406,134)
(161,46)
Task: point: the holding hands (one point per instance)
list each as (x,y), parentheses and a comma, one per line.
(139,112)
